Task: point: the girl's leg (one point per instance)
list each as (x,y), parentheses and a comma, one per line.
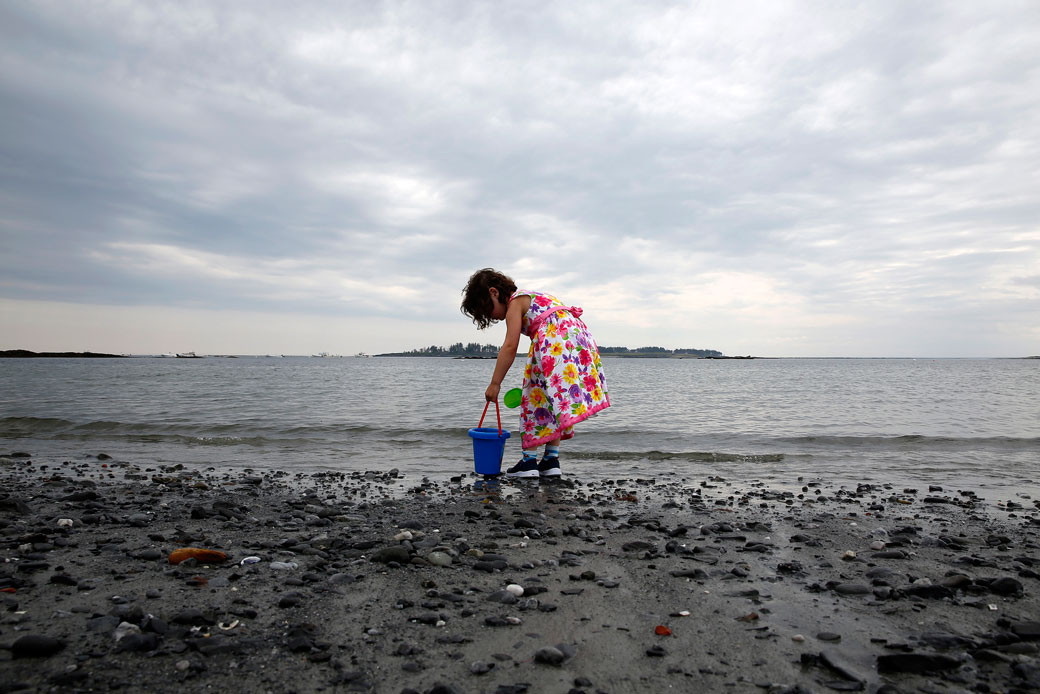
(552,449)
(528,465)
(549,466)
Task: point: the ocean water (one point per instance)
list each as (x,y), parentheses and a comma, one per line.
(956,423)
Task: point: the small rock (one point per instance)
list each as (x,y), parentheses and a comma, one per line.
(549,656)
(890,554)
(1029,631)
(1006,586)
(439,558)
(491,566)
(290,600)
(395,553)
(138,643)
(63,580)
(502,596)
(690,573)
(852,589)
(916,662)
(36,646)
(284,565)
(637,546)
(192,617)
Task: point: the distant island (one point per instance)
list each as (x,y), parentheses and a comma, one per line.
(474,350)
(26,354)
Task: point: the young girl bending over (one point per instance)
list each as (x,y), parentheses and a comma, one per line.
(563,380)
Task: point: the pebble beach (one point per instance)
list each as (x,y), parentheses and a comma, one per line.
(167,578)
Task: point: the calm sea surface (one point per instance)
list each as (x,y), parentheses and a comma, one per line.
(959,423)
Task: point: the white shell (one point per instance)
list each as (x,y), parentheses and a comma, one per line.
(515,589)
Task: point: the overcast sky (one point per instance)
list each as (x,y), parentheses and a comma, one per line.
(773,178)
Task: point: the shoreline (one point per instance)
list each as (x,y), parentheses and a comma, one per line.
(629,585)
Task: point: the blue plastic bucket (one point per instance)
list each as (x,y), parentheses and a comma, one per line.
(488,448)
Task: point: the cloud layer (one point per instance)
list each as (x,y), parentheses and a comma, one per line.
(769,178)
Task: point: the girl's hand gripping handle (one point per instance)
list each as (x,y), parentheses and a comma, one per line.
(498,416)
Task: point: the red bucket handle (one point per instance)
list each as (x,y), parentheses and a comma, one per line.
(498,414)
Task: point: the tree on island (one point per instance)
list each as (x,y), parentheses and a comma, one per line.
(458,349)
(474,349)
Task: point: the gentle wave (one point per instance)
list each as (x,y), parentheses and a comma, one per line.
(339,434)
(12,427)
(914,440)
(687,456)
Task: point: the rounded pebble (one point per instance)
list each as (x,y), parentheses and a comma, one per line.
(549,656)
(439,558)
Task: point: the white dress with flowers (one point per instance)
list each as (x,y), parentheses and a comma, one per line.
(563,380)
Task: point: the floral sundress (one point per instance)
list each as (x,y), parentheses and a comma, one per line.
(563,381)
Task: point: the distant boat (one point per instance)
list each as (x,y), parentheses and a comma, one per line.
(188,355)
(362,355)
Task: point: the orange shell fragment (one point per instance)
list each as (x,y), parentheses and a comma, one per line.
(662,630)
(203,556)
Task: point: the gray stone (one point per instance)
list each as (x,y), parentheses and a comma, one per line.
(36,646)
(638,546)
(852,589)
(549,656)
(1006,586)
(502,596)
(890,554)
(439,558)
(388,554)
(1030,631)
(916,662)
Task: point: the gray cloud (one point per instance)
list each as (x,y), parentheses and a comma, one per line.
(777,177)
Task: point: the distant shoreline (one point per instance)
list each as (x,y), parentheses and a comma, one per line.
(26,354)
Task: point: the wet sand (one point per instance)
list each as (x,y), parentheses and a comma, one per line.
(387,582)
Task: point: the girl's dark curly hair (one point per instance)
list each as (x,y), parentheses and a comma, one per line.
(476,300)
